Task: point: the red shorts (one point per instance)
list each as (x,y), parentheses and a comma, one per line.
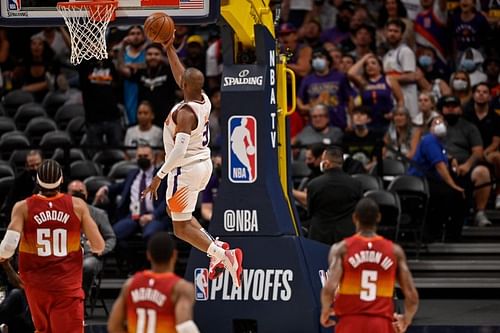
(363,324)
(55,313)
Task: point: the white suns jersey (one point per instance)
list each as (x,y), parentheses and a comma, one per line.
(198,143)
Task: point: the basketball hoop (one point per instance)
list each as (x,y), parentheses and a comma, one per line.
(87,22)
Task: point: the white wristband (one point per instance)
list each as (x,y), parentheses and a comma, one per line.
(9,244)
(187,327)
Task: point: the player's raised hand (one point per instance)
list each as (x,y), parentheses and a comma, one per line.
(326,317)
(169,43)
(400,324)
(152,188)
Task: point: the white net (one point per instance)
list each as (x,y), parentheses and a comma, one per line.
(87,23)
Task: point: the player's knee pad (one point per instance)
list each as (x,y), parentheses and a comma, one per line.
(9,243)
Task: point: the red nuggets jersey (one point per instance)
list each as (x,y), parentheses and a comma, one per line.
(50,255)
(149,305)
(367,284)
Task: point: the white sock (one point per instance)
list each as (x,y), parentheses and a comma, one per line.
(215,251)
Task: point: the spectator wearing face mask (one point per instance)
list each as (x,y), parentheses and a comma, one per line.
(436,74)
(325,86)
(133,214)
(446,197)
(331,198)
(24,183)
(461,87)
(471,62)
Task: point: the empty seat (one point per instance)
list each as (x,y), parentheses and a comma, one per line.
(6,125)
(53,101)
(369,182)
(75,154)
(14,99)
(390,209)
(390,169)
(6,170)
(414,196)
(83,169)
(26,112)
(18,159)
(10,143)
(38,127)
(120,170)
(53,140)
(76,128)
(5,186)
(93,183)
(67,112)
(106,158)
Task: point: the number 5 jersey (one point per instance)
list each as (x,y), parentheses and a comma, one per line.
(367,284)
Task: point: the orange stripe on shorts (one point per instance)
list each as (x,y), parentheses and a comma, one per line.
(179,201)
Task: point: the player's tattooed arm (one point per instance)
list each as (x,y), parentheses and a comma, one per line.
(335,272)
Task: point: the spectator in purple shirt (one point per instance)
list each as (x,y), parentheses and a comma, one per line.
(339,32)
(326,86)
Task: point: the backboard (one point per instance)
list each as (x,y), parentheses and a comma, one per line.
(44,13)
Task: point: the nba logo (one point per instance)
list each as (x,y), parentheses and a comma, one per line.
(14,4)
(201,284)
(242,141)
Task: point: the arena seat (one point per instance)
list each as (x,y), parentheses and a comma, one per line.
(390,209)
(6,170)
(14,99)
(67,112)
(5,186)
(6,125)
(75,154)
(38,127)
(12,141)
(390,169)
(299,171)
(414,196)
(76,128)
(93,183)
(53,101)
(53,140)
(369,182)
(83,169)
(18,159)
(120,170)
(26,112)
(108,157)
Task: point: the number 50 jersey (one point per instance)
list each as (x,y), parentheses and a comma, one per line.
(50,255)
(367,284)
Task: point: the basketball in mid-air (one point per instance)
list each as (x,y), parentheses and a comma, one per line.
(159,27)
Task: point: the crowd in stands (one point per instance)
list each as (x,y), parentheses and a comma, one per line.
(405,80)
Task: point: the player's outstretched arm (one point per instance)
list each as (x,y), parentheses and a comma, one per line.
(183,297)
(176,65)
(117,317)
(335,272)
(410,293)
(12,236)
(89,226)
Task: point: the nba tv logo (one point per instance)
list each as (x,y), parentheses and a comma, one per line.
(14,4)
(201,284)
(242,141)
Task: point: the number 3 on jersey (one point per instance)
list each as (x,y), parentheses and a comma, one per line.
(52,242)
(368,285)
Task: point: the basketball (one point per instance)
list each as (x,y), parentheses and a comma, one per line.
(159,27)
(250,150)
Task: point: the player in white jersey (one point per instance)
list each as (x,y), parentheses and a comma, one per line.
(188,168)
